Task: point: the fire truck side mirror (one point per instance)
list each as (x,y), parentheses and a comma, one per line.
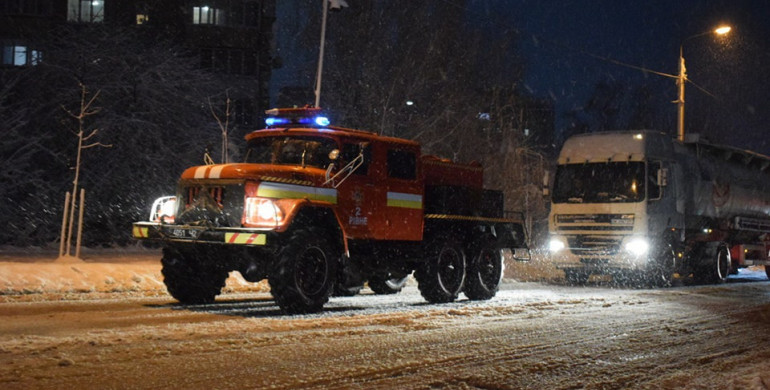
(662,177)
(546,180)
(334,155)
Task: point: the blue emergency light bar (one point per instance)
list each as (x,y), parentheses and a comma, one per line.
(292,118)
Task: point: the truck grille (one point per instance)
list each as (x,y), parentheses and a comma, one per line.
(595,222)
(210,204)
(217,194)
(594,245)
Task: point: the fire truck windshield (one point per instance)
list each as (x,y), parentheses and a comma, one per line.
(291,150)
(616,182)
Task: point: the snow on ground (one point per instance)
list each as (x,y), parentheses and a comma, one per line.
(26,272)
(107,321)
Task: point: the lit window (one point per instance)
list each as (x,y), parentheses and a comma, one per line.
(85,11)
(141,19)
(8,55)
(208,15)
(15,55)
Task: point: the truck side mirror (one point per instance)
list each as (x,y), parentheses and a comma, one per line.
(663,177)
(546,180)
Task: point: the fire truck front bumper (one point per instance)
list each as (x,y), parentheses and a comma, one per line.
(202,234)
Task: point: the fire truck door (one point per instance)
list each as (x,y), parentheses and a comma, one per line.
(403,211)
(358,197)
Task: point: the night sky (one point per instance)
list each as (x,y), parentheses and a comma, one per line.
(563,45)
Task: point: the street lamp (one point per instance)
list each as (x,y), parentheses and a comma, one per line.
(682,78)
(335,5)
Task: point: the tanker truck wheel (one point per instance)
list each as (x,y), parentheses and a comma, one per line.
(188,280)
(387,286)
(485,271)
(303,277)
(715,267)
(440,278)
(662,267)
(576,276)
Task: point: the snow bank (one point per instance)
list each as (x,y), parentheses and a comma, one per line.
(105,271)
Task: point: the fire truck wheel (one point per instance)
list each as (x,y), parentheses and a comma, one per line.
(485,271)
(189,281)
(716,267)
(441,277)
(386,286)
(304,276)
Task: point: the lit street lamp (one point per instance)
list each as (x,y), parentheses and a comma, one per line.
(682,78)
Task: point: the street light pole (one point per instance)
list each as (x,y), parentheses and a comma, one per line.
(319,72)
(681,79)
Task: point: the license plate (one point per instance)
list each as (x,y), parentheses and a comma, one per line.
(184,233)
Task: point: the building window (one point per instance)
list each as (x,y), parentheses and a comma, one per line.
(90,11)
(208,15)
(15,55)
(25,7)
(232,61)
(244,113)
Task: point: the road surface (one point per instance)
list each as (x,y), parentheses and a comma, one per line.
(532,335)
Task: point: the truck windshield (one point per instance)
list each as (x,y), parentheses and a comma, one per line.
(291,150)
(619,182)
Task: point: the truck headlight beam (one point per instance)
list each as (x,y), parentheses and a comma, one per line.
(555,245)
(637,246)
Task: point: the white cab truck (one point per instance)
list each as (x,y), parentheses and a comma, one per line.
(643,205)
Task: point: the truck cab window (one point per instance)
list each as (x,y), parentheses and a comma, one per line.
(304,151)
(402,164)
(653,189)
(351,151)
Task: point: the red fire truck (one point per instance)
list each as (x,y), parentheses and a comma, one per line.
(315,208)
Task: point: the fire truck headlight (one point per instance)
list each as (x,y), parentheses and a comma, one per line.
(555,245)
(637,246)
(163,209)
(261,212)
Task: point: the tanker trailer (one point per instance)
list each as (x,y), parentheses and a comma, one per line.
(643,206)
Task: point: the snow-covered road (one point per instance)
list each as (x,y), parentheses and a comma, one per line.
(532,335)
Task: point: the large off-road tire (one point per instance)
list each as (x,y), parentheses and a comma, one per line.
(485,270)
(387,286)
(189,279)
(442,275)
(716,266)
(305,272)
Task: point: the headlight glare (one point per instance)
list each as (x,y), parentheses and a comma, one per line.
(163,210)
(555,245)
(262,212)
(637,246)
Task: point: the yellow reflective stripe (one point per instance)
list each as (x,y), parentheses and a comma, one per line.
(141,232)
(288,181)
(291,191)
(245,238)
(400,199)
